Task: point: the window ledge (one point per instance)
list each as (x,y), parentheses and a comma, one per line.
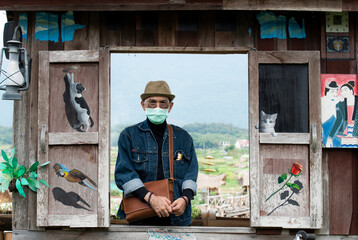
(191,229)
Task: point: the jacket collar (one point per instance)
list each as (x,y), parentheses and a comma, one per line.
(144,126)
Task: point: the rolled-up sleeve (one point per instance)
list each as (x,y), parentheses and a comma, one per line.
(125,176)
(191,175)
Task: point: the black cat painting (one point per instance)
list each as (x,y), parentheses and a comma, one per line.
(77,110)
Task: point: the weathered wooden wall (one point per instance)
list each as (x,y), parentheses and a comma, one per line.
(180,30)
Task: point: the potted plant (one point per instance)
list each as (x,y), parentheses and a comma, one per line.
(14,176)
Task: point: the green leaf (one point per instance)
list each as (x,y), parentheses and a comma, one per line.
(5,185)
(280,179)
(33,175)
(33,188)
(284,176)
(33,182)
(34,167)
(7,165)
(289,184)
(19,188)
(12,154)
(4,156)
(294,185)
(21,171)
(9,172)
(14,163)
(44,164)
(2,166)
(24,181)
(44,183)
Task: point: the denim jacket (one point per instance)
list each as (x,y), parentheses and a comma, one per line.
(137,163)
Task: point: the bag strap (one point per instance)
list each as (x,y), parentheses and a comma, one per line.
(171,160)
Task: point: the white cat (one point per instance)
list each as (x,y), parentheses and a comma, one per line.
(267,123)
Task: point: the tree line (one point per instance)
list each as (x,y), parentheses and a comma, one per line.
(205,135)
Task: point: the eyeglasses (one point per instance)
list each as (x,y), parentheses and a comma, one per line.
(153,104)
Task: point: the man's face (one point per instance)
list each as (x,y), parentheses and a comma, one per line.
(157,102)
(333,92)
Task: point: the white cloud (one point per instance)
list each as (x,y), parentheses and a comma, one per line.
(40,28)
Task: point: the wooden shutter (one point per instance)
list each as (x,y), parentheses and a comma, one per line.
(287,83)
(69,138)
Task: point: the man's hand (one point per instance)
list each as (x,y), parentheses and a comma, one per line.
(160,205)
(179,206)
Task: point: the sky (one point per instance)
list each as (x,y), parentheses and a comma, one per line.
(209,88)
(6,106)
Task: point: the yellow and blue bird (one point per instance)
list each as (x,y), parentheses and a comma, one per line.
(74,175)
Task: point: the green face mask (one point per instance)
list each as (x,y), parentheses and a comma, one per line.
(156,115)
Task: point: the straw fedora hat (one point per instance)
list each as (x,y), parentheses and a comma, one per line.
(157,88)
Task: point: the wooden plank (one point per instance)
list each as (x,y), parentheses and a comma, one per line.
(316,201)
(326,193)
(80,38)
(315,5)
(313,23)
(281,44)
(33,140)
(110,30)
(208,50)
(74,56)
(130,235)
(166,29)
(349,5)
(43,95)
(81,220)
(147,29)
(206,28)
(245,29)
(285,138)
(128,33)
(341,188)
(254,138)
(68,138)
(20,130)
(93,31)
(354,223)
(338,66)
(104,140)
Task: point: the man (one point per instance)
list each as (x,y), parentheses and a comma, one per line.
(143,157)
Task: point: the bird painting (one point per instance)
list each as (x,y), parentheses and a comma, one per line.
(74,175)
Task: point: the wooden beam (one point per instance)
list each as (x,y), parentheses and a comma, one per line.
(284,5)
(147,5)
(209,50)
(285,138)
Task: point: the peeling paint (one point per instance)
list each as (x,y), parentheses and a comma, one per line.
(23,25)
(47,26)
(294,29)
(272,26)
(68,26)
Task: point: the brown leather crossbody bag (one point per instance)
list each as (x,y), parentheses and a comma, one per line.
(134,208)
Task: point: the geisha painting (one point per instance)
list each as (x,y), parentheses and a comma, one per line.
(339,110)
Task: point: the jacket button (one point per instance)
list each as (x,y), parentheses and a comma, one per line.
(155,147)
(153,167)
